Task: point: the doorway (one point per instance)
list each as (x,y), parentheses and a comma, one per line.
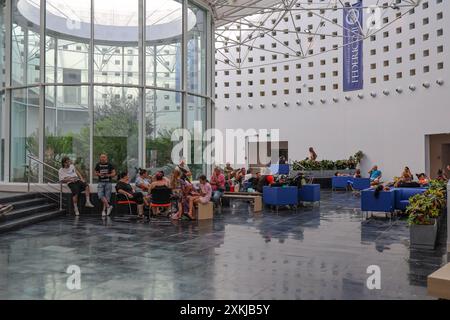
(439,153)
(265,149)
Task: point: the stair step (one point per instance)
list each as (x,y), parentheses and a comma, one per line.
(20,197)
(30,203)
(29,220)
(27,211)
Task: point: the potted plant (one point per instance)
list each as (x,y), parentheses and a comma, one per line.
(424,211)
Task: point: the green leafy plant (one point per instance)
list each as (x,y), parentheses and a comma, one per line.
(358,156)
(424,208)
(309,165)
(341,164)
(327,165)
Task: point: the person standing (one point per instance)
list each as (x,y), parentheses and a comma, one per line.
(105,171)
(76,183)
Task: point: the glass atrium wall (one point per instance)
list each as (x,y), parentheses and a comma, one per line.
(90,76)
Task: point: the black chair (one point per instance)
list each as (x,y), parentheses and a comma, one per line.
(161,198)
(125,206)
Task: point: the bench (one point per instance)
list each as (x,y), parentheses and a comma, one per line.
(254,198)
(439,283)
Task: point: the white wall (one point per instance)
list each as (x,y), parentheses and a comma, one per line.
(390,130)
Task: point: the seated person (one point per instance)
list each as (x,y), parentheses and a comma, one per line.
(253,181)
(263,181)
(160,181)
(338,174)
(441,176)
(357,174)
(76,183)
(203,196)
(218,185)
(186,173)
(143,182)
(270,179)
(375,176)
(123,187)
(240,176)
(405,179)
(423,180)
(5,208)
(228,171)
(180,189)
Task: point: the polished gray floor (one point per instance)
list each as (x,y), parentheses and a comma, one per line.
(314,253)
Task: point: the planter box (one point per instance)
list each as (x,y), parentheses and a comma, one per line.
(324,173)
(423,236)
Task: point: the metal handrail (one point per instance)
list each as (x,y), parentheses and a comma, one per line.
(60,197)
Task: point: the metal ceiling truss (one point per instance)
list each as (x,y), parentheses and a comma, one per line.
(241,34)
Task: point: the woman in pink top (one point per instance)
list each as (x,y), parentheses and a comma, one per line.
(218,185)
(204,196)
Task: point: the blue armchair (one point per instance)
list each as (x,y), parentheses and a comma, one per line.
(384,203)
(309,193)
(402,196)
(280,196)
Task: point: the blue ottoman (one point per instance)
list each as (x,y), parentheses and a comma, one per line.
(280,196)
(309,193)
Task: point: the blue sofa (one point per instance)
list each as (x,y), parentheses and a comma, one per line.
(344,182)
(281,169)
(384,203)
(339,182)
(309,193)
(360,183)
(402,196)
(280,196)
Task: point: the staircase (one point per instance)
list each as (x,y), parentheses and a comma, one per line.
(29,208)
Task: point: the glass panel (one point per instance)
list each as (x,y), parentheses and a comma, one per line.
(116,55)
(25,42)
(163,116)
(196,121)
(2,43)
(196,59)
(67,128)
(2,85)
(67,60)
(24,131)
(2,135)
(163,46)
(116,113)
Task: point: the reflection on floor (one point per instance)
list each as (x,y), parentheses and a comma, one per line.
(314,253)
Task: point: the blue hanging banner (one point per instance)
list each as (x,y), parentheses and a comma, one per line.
(353,47)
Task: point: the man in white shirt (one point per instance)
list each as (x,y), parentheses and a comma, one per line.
(70,175)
